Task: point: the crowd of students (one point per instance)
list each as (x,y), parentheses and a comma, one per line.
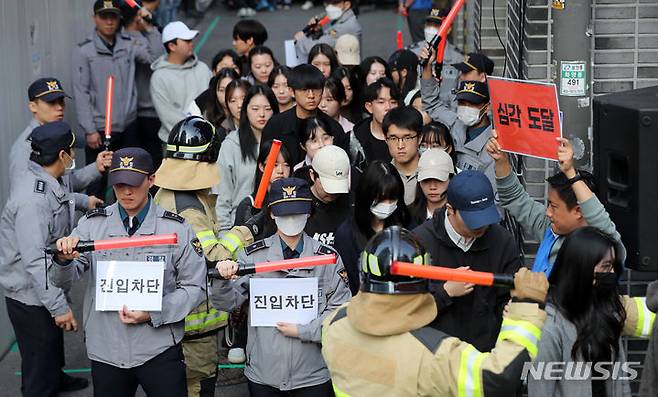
(366,146)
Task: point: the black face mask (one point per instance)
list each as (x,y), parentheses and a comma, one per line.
(605,281)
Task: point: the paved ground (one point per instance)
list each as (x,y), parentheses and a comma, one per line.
(217,25)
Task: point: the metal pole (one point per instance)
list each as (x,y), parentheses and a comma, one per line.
(572,57)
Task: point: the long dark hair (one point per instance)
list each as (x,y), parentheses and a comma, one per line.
(437,132)
(326,50)
(213,110)
(380,181)
(365,65)
(261,50)
(598,317)
(223,54)
(231,87)
(248,143)
(352,111)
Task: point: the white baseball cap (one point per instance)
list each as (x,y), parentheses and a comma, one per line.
(177,30)
(333,166)
(348,50)
(435,164)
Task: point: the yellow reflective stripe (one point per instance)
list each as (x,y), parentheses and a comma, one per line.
(418,260)
(373,264)
(522,332)
(364,261)
(338,392)
(645,318)
(188,149)
(206,238)
(231,242)
(196,321)
(470,380)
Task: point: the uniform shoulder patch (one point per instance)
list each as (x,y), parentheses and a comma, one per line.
(342,273)
(257,246)
(40,186)
(173,216)
(196,245)
(96,212)
(325,250)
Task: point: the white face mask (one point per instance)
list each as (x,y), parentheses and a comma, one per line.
(70,166)
(430,32)
(383,210)
(291,225)
(333,11)
(468,115)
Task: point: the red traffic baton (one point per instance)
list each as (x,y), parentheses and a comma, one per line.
(449,274)
(285,264)
(267,173)
(445,26)
(109,95)
(121,242)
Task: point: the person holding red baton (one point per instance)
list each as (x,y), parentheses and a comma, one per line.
(128,347)
(285,358)
(381,343)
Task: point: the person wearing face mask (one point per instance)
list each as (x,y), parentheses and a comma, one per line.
(286,359)
(586,318)
(466,235)
(330,177)
(472,130)
(40,210)
(378,203)
(438,96)
(47,104)
(342,20)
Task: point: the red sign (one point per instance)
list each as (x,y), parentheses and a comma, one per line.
(526,116)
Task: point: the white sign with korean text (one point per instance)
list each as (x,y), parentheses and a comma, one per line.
(572,78)
(138,285)
(288,300)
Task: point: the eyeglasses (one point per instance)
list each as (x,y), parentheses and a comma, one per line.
(404,139)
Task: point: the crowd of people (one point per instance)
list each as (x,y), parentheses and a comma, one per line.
(380,160)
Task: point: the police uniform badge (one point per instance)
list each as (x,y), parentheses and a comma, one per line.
(196,244)
(52,85)
(469,87)
(126,162)
(342,273)
(289,192)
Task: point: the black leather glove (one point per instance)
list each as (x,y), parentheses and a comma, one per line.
(255,223)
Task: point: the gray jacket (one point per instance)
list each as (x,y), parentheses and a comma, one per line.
(472,155)
(143,74)
(108,339)
(531,215)
(38,212)
(75,181)
(93,62)
(346,24)
(272,358)
(557,339)
(173,87)
(439,100)
(236,180)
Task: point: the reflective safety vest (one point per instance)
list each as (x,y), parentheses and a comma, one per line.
(204,319)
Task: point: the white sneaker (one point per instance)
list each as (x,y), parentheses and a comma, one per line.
(242,12)
(236,355)
(308,5)
(251,12)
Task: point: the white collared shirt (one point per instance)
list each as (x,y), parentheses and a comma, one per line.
(460,241)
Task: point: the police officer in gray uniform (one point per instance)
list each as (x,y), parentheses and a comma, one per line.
(46,103)
(286,358)
(472,130)
(109,51)
(130,347)
(475,67)
(39,211)
(451,55)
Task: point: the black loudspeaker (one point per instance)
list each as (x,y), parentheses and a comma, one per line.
(626,169)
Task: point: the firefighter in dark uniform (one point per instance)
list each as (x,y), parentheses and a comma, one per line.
(40,210)
(128,347)
(380,344)
(185,178)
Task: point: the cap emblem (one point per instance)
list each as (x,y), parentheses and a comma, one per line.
(52,85)
(108,4)
(126,162)
(482,200)
(469,87)
(289,192)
